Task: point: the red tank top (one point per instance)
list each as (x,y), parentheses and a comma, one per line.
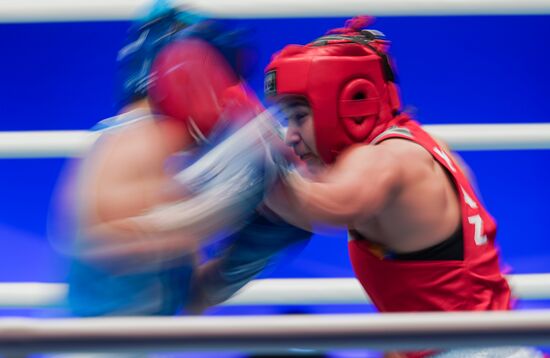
(474,283)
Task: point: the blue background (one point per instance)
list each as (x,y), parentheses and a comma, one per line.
(471,69)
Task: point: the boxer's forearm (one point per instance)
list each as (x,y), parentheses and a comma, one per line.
(217,208)
(116,241)
(355,188)
(224,187)
(174,228)
(327,203)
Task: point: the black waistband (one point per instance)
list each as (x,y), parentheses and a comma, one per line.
(449,249)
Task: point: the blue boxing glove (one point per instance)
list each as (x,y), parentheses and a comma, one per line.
(251,252)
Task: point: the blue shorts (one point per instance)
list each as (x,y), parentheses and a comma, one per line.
(97,292)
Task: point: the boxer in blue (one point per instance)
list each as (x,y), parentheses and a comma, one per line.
(126,261)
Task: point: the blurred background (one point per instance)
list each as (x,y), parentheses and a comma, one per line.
(452,69)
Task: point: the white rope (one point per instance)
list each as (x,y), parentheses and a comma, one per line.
(32,294)
(314,291)
(50,144)
(85,10)
(493,136)
(277,333)
(45,144)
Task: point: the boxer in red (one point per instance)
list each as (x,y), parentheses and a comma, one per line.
(419,237)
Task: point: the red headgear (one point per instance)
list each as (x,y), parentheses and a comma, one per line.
(348,81)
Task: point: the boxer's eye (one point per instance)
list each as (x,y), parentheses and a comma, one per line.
(299,116)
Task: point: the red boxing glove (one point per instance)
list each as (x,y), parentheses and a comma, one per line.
(240,104)
(192,82)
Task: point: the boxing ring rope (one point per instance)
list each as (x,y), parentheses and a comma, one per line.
(320,291)
(277,333)
(50,144)
(45,144)
(105,10)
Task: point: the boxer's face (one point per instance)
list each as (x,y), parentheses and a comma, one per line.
(300,134)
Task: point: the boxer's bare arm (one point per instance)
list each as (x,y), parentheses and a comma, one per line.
(358,186)
(397,183)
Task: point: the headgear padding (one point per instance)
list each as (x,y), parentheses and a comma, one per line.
(348,82)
